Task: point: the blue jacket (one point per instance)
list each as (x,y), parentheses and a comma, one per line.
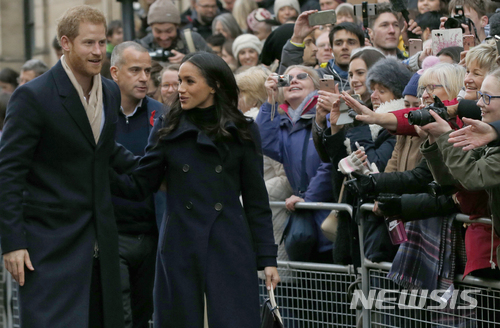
(283,141)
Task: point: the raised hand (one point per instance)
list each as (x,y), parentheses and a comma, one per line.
(476,134)
(271,85)
(302,27)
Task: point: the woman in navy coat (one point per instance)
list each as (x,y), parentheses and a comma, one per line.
(210,245)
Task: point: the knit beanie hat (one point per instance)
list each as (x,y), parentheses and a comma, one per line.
(390,73)
(411,88)
(257,16)
(283,3)
(428,62)
(246,41)
(163,11)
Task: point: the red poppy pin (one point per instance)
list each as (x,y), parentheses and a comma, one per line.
(152,118)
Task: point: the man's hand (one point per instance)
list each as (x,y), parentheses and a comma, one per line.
(476,134)
(290,202)
(411,26)
(14,263)
(302,28)
(272,277)
(177,59)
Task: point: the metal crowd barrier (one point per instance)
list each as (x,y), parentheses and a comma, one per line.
(487,295)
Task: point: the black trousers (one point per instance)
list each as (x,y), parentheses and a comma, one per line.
(137,271)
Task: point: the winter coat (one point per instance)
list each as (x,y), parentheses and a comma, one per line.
(279,189)
(406,154)
(474,170)
(208,243)
(378,144)
(283,141)
(56,201)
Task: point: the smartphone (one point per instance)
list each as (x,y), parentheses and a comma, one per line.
(323,18)
(468,41)
(415,45)
(365,10)
(345,117)
(327,85)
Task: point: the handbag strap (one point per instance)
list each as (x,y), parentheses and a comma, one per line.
(303,174)
(274,305)
(342,190)
(189,40)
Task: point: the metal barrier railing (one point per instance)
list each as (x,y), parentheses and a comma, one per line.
(485,314)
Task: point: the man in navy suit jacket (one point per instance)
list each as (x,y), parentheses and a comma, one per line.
(58,232)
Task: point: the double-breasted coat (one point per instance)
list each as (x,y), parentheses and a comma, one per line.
(55,200)
(209,244)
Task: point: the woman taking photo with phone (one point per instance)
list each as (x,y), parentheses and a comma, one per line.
(210,247)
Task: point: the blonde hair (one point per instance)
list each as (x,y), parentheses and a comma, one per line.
(241,10)
(450,76)
(309,70)
(484,55)
(69,23)
(251,85)
(495,73)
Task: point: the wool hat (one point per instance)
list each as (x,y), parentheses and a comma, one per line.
(390,73)
(283,3)
(246,41)
(275,42)
(428,62)
(411,88)
(163,11)
(257,16)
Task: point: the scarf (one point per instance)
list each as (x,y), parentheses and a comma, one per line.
(94,107)
(427,259)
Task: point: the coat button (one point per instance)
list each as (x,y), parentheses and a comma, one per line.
(185,168)
(218,207)
(189,205)
(405,115)
(218,168)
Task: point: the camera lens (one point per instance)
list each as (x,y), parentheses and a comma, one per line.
(420,117)
(452,23)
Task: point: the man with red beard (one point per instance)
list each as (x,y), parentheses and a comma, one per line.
(58,232)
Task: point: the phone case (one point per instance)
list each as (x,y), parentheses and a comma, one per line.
(446,38)
(323,18)
(415,45)
(327,85)
(468,42)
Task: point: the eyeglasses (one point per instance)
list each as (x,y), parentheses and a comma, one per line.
(300,76)
(486,97)
(429,88)
(175,86)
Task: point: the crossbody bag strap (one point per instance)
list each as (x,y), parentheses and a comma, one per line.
(303,174)
(189,40)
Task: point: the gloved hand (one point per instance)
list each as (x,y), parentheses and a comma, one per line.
(361,185)
(390,204)
(352,163)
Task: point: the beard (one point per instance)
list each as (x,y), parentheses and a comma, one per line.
(206,20)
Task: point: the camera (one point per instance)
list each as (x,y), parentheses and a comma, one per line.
(458,19)
(283,81)
(161,55)
(422,116)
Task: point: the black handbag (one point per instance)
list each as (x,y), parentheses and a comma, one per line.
(300,234)
(270,315)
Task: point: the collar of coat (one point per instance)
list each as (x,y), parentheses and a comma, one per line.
(186,126)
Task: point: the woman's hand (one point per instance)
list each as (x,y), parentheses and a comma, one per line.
(290,202)
(476,134)
(272,277)
(334,117)
(436,129)
(324,105)
(271,85)
(411,26)
(365,114)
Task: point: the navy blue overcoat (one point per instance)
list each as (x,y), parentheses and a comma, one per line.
(209,243)
(55,200)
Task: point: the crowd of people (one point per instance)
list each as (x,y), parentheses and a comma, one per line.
(196,105)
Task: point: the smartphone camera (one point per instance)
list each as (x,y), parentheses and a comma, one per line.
(283,81)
